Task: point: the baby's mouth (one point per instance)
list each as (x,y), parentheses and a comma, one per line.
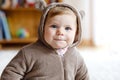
(59,39)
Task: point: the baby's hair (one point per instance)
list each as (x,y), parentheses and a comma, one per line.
(59,11)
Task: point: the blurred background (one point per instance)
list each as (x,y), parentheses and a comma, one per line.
(100,44)
(101,35)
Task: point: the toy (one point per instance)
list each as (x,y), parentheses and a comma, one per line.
(22,33)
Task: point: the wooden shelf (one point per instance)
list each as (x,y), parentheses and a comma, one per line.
(15,43)
(16,40)
(21,9)
(26,18)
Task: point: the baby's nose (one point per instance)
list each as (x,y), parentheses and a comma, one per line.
(60,32)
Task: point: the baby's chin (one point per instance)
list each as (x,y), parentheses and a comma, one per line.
(60,47)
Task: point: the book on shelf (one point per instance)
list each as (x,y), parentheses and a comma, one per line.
(52,1)
(1,29)
(5,26)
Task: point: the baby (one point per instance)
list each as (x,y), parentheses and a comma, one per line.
(54,55)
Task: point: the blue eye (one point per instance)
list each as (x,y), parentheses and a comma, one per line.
(54,26)
(68,28)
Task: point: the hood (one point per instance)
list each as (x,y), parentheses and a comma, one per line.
(43,20)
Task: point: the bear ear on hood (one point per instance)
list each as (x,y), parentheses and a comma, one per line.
(42,4)
(82,14)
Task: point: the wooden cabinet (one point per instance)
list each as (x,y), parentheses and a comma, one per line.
(26,18)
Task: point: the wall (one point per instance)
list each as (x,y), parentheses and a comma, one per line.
(107,23)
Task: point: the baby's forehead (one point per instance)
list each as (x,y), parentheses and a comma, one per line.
(60,10)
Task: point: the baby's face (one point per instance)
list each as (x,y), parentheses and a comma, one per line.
(60,30)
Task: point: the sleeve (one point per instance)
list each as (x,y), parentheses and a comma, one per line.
(82,71)
(16,69)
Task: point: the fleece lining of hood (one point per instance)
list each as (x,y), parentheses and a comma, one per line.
(43,19)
